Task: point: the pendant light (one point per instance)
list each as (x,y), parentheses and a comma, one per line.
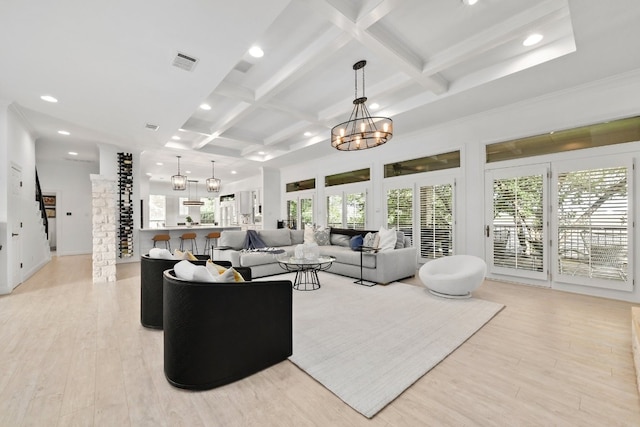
(179,182)
(196,201)
(213,184)
(361,131)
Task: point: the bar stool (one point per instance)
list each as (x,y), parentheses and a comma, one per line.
(207,241)
(192,237)
(162,238)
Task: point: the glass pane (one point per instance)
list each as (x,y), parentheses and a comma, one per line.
(347,177)
(292,213)
(518,223)
(307,184)
(182,209)
(423,164)
(334,211)
(400,210)
(207,214)
(356,211)
(597,135)
(593,223)
(157,207)
(436,221)
(306,211)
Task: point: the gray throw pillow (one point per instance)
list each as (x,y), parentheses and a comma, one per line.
(400,240)
(340,239)
(369,240)
(322,237)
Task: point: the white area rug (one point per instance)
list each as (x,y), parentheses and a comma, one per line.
(367,345)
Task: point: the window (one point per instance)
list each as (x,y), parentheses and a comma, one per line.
(400,210)
(334,211)
(423,164)
(436,221)
(517,221)
(347,210)
(207,211)
(300,211)
(307,184)
(593,230)
(157,211)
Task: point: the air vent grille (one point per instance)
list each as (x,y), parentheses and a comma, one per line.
(184,61)
(243,66)
(151,127)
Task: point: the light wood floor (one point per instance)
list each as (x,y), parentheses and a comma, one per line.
(74,353)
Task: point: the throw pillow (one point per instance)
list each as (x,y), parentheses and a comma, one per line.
(322,237)
(184,270)
(356,242)
(222,272)
(160,253)
(370,240)
(309,233)
(184,255)
(201,274)
(339,239)
(387,239)
(400,240)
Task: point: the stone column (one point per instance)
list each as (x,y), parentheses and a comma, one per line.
(104,190)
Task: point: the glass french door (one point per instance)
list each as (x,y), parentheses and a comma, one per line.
(517,221)
(300,211)
(594,231)
(347,208)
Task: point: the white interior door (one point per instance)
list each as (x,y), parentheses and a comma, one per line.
(15,226)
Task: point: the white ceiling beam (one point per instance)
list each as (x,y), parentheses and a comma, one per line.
(401,56)
(497,35)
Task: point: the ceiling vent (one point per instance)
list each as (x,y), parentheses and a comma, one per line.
(186,62)
(243,66)
(151,127)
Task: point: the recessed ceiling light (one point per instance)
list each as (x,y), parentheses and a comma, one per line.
(261,152)
(308,133)
(234,172)
(532,39)
(206,107)
(256,52)
(374,106)
(73,153)
(63,132)
(175,138)
(181,130)
(159,163)
(148,173)
(469,2)
(48,98)
(187,171)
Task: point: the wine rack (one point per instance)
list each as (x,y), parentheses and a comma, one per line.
(125,205)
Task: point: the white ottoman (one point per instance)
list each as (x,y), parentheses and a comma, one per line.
(453,276)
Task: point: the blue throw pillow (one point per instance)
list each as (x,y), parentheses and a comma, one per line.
(356,242)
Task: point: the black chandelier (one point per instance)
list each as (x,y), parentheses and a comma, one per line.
(179,182)
(362,130)
(213,183)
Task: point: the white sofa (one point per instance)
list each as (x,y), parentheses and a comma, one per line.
(382,267)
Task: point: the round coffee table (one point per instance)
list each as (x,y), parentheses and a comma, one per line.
(306,270)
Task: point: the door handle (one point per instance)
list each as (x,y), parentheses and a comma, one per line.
(14,234)
(487,230)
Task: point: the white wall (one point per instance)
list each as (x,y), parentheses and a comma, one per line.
(18,148)
(70,181)
(609,99)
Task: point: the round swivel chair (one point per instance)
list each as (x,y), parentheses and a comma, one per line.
(453,276)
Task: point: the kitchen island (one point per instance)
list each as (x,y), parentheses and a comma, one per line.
(145,236)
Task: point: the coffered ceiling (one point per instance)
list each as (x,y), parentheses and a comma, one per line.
(428,62)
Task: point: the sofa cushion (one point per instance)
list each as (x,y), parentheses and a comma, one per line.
(387,239)
(274,238)
(339,239)
(297,237)
(233,239)
(252,259)
(322,237)
(347,256)
(400,240)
